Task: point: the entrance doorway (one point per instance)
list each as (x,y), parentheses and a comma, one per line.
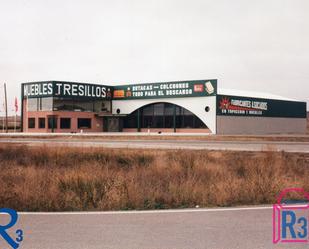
(112,124)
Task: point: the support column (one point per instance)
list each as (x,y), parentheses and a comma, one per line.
(174,117)
(53,123)
(138,120)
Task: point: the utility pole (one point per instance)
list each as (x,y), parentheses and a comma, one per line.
(6,109)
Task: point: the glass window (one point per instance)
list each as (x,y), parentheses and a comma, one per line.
(169,115)
(52,123)
(158,122)
(168,109)
(102,106)
(39,104)
(198,123)
(65,123)
(83,105)
(147,116)
(179,121)
(186,112)
(31,122)
(147,110)
(41,123)
(158,109)
(161,115)
(188,121)
(46,104)
(130,121)
(168,121)
(147,121)
(32,104)
(83,123)
(63,104)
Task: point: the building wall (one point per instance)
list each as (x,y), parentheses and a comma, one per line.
(196,105)
(259,125)
(96,123)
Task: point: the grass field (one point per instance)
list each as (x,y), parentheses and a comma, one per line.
(59,179)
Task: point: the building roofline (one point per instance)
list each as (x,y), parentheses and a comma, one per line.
(253,94)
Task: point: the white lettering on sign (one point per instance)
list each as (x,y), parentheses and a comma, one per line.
(243,103)
(81,90)
(174,86)
(142,88)
(74,90)
(64,89)
(255,112)
(150,93)
(138,94)
(179,92)
(259,105)
(59,88)
(38,89)
(164,89)
(250,104)
(50,89)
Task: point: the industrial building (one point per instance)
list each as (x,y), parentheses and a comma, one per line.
(197,106)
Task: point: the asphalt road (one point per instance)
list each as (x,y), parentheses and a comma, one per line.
(171,229)
(168,144)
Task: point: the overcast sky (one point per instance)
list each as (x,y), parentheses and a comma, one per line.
(260,45)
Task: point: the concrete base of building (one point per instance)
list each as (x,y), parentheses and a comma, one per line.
(229,125)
